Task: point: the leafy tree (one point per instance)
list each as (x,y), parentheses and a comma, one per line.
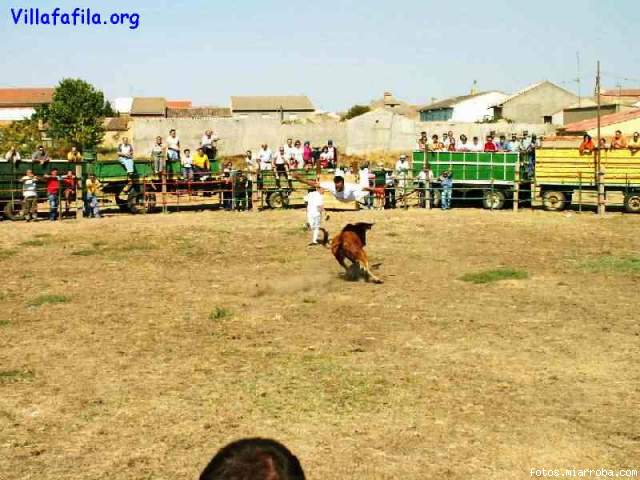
(24,135)
(356,111)
(76,113)
(108,110)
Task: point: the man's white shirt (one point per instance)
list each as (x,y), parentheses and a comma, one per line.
(351,192)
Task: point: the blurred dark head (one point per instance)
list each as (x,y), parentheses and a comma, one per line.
(254,459)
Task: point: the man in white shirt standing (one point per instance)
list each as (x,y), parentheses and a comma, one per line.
(476,146)
(208,144)
(265,158)
(173,146)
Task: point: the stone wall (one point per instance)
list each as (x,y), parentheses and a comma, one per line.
(378,131)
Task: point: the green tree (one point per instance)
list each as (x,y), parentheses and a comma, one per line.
(76,114)
(356,111)
(24,135)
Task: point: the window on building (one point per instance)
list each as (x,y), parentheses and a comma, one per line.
(547,119)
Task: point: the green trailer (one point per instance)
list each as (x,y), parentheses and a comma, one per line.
(11,188)
(135,194)
(492,178)
(279,193)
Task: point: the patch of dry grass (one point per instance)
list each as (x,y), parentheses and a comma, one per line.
(183,332)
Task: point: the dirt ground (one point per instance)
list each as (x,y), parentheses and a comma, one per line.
(133,347)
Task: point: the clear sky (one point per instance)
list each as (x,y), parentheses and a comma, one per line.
(337,52)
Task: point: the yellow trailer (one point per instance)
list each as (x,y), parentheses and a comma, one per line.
(561,174)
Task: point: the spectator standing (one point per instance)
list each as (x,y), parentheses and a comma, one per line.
(476,146)
(425,177)
(74,156)
(40,156)
(30,196)
(446,182)
(266,158)
(125,155)
(282,167)
(12,156)
(402,174)
(187,165)
(452,145)
(489,145)
(587,146)
(289,152)
(68,190)
(619,141)
(364,181)
(332,154)
(307,155)
(513,146)
(209,142)
(52,182)
(298,154)
(324,157)
(173,147)
(315,209)
(463,145)
(502,144)
(158,157)
(436,145)
(634,143)
(93,189)
(423,142)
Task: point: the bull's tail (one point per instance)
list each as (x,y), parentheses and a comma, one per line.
(324,240)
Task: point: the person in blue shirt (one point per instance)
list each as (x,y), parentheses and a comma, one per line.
(446,182)
(513,145)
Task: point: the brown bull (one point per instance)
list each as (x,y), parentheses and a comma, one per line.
(349,244)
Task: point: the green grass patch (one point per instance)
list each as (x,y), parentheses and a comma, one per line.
(48,300)
(4,323)
(85,253)
(309,300)
(220,313)
(42,235)
(613,264)
(34,243)
(15,376)
(490,276)
(6,253)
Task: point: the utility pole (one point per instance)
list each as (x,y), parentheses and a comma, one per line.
(599,172)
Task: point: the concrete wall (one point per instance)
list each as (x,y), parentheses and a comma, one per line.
(236,134)
(532,106)
(377,131)
(381,131)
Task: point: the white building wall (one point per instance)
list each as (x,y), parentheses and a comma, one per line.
(14,114)
(477,108)
(123,104)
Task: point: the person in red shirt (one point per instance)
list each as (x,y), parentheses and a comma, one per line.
(489,145)
(53,193)
(69,190)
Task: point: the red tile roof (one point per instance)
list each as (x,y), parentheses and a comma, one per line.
(605,120)
(25,97)
(179,104)
(614,92)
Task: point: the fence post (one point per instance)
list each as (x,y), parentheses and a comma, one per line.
(164,191)
(79,191)
(580,192)
(516,185)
